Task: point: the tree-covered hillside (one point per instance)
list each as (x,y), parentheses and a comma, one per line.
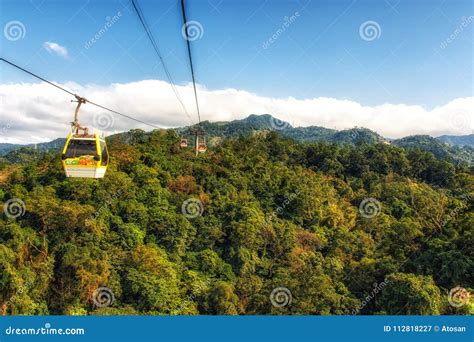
(53,145)
(258,225)
(466,140)
(266,122)
(457,149)
(440,149)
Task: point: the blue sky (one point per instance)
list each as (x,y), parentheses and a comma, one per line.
(398,67)
(320,54)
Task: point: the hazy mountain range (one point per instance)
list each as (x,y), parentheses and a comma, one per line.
(446,146)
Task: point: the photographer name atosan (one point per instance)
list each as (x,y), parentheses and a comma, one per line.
(423,328)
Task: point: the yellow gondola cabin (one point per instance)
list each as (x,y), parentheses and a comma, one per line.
(85,155)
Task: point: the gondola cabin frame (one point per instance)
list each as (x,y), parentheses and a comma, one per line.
(85,156)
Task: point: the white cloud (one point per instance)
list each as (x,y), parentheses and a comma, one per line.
(55,48)
(37,112)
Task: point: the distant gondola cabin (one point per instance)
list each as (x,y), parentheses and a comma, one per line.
(202,147)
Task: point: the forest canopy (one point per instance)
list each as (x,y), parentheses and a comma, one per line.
(260,224)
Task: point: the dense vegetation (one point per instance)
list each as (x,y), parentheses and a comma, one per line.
(276,213)
(466,140)
(456,149)
(440,149)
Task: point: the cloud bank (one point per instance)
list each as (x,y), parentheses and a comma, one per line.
(36,112)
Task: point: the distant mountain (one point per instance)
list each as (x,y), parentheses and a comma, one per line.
(266,122)
(5,148)
(244,127)
(424,142)
(357,136)
(440,149)
(55,144)
(458,140)
(454,148)
(310,134)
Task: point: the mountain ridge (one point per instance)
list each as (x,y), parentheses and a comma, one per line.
(457,148)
